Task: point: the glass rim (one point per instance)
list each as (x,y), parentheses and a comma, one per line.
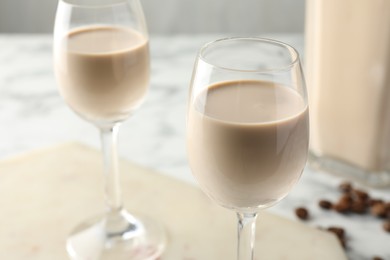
(73,3)
(288,65)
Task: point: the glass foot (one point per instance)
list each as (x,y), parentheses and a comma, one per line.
(117,235)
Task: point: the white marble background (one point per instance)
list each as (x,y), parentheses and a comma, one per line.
(174,16)
(33,115)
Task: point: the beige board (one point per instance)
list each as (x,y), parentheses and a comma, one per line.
(43,194)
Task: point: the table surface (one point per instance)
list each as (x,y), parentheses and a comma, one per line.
(33,115)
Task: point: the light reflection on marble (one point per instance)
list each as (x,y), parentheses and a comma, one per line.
(33,115)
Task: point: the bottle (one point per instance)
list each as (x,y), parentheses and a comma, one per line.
(348,77)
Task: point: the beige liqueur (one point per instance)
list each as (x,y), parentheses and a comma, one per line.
(348,74)
(103,72)
(247,141)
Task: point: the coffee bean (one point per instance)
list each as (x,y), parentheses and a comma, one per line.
(387,206)
(345,187)
(302,213)
(346,198)
(325,204)
(340,232)
(342,207)
(360,194)
(386,226)
(379,210)
(358,207)
(372,202)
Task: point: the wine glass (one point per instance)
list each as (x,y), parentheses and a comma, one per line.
(247,127)
(101,61)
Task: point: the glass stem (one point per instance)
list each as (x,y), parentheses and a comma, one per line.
(109,137)
(246,235)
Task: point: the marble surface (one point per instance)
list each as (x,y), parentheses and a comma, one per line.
(34,115)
